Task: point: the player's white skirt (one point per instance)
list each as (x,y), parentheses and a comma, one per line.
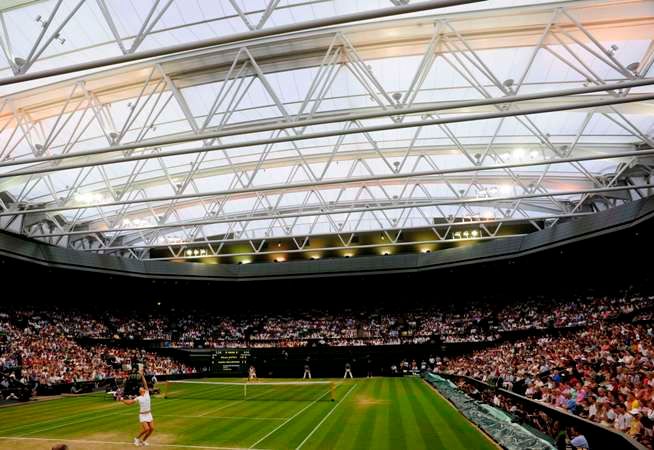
(145,417)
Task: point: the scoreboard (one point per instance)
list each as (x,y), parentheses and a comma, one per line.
(231,361)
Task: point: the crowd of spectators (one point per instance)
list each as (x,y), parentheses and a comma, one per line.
(59,345)
(466,322)
(470,322)
(604,373)
(44,351)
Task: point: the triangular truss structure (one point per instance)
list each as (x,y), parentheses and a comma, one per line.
(435,122)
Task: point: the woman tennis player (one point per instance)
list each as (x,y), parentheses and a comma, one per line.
(145,414)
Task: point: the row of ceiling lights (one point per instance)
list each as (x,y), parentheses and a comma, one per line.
(459,235)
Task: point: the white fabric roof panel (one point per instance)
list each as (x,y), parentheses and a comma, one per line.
(82,115)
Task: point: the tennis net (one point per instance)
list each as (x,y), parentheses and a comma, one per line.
(260,391)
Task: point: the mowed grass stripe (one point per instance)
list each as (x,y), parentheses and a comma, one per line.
(446,414)
(256,431)
(236,432)
(347,424)
(329,413)
(331,433)
(367,415)
(436,418)
(413,421)
(297,431)
(289,420)
(233,433)
(116,418)
(380,413)
(442,418)
(285,434)
(384,412)
(112,443)
(76,411)
(46,409)
(397,437)
(287,408)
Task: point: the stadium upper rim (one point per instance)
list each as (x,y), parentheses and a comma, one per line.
(477,116)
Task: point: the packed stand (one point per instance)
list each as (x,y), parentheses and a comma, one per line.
(463,322)
(604,373)
(42,348)
(471,322)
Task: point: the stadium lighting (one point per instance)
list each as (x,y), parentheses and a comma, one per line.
(474,233)
(425,250)
(348,255)
(189,252)
(457,235)
(315,257)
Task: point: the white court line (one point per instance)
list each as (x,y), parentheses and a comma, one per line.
(212,410)
(288,420)
(203,416)
(325,418)
(18,427)
(254,383)
(84,441)
(74,422)
(95,417)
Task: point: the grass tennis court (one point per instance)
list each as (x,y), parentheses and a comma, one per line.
(379,413)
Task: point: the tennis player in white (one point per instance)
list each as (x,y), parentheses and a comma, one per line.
(145,414)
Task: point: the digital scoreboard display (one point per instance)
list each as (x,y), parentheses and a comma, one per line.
(230,361)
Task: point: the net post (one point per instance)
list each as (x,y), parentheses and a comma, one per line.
(166,389)
(245,390)
(332,391)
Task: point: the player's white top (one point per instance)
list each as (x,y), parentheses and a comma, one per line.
(144,403)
